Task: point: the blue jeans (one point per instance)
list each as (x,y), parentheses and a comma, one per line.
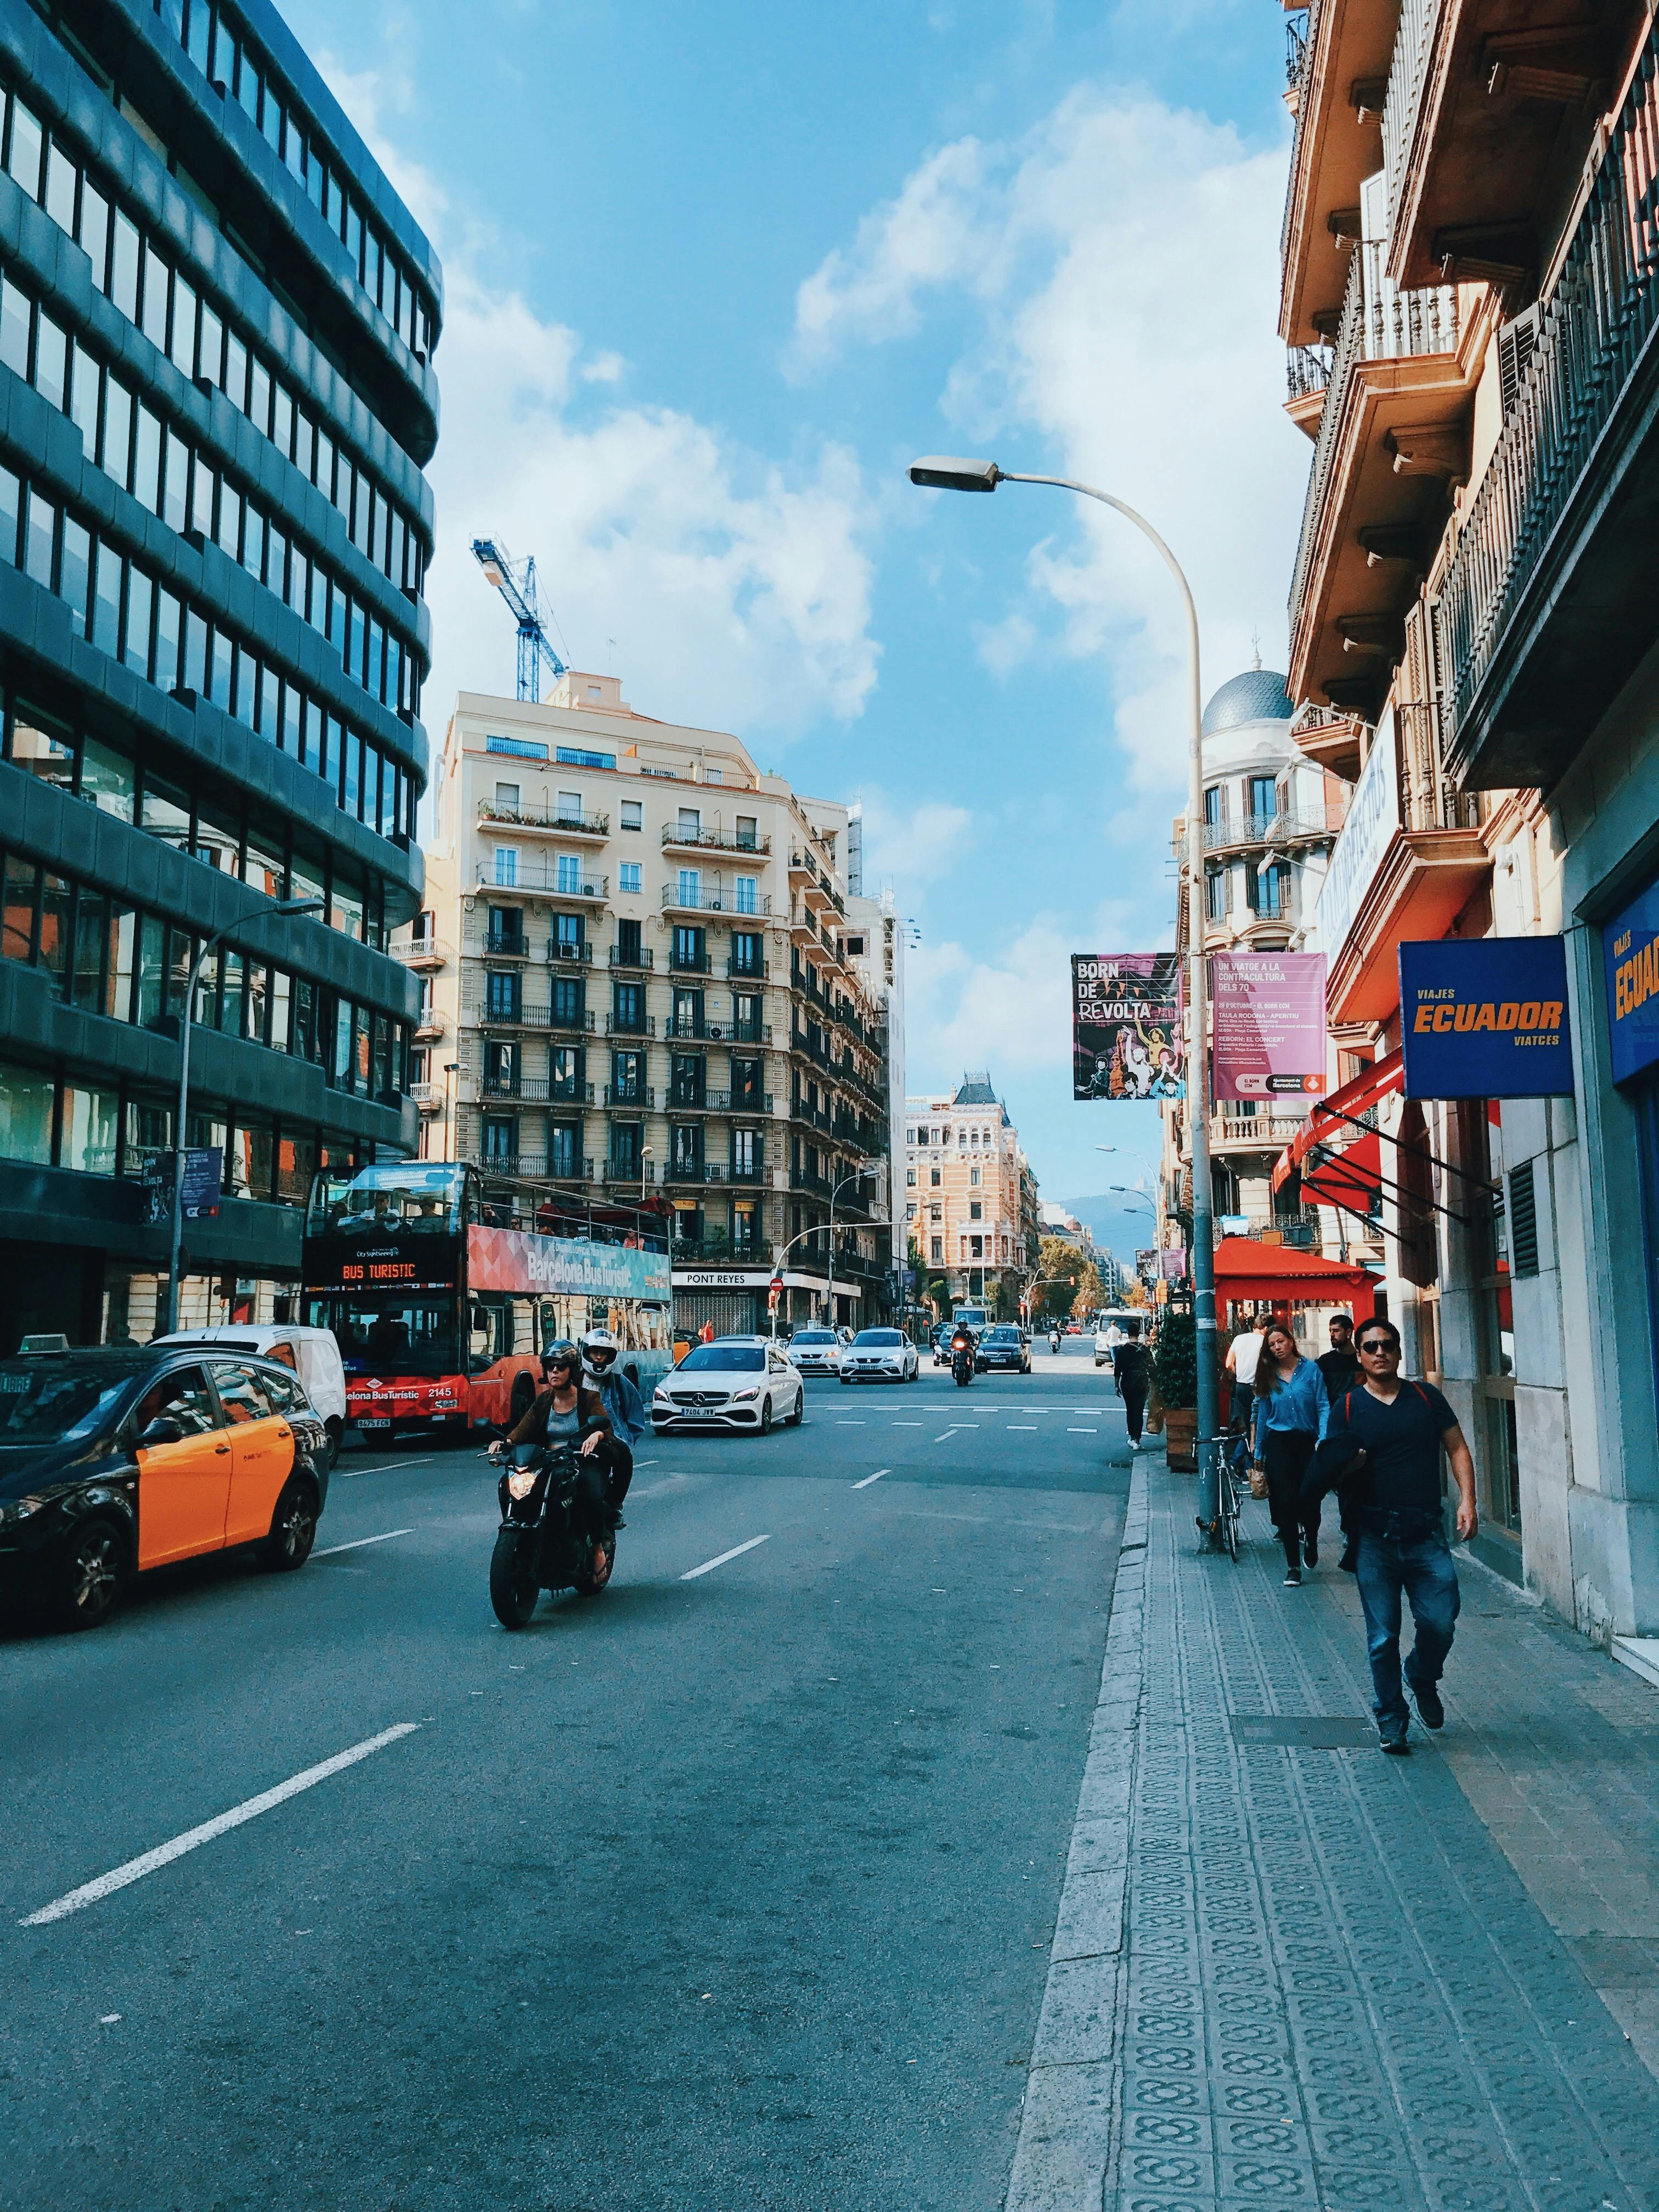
(1422,1567)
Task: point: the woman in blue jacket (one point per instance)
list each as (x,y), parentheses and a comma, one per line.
(1291,1410)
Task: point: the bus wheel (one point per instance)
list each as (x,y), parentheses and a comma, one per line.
(524,1396)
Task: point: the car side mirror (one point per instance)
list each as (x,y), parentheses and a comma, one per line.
(163,1430)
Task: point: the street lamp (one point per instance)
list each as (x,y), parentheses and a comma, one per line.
(263,912)
(857,1175)
(944,472)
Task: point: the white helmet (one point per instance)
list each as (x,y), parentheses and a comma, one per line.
(600,1351)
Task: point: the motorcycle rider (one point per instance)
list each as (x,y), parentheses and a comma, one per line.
(601,1353)
(961,1342)
(560,1413)
(1053,1340)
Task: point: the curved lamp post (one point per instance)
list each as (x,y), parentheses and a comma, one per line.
(266,910)
(944,472)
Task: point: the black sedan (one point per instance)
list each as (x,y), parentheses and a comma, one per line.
(116,1460)
(1004,1346)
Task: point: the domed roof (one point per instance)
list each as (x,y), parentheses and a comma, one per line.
(1257,696)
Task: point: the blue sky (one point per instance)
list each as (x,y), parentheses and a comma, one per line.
(716,273)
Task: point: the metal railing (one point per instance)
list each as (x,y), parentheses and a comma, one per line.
(645,1027)
(689,963)
(718,900)
(561,952)
(1295,52)
(627,1171)
(507,945)
(579,1021)
(752,1032)
(418,950)
(1266,830)
(640,1095)
(1594,326)
(715,841)
(538,1090)
(1379,323)
(1310,46)
(537,1167)
(749,972)
(645,958)
(547,883)
(544,818)
(1413,40)
(1429,796)
(1307,370)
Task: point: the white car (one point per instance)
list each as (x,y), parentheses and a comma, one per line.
(738,1382)
(816,1351)
(880,1355)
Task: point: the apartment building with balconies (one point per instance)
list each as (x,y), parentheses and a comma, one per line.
(971,1212)
(1470,289)
(645,987)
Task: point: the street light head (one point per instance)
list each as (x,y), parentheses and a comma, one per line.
(945,472)
(300,906)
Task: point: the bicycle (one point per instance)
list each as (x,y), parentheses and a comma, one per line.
(1222,1534)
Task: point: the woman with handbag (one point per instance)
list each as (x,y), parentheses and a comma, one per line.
(1291,1411)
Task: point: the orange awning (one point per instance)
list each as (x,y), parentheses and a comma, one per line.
(1349,1178)
(1286,1274)
(1327,1126)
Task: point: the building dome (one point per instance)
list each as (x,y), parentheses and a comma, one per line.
(1257,696)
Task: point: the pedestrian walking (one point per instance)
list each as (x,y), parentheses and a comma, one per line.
(1339,1366)
(1131,1371)
(1243,1354)
(1291,1412)
(1403,1427)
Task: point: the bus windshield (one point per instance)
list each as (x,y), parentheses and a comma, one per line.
(398,1198)
(383,1333)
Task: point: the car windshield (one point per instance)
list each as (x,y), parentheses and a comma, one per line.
(724,1359)
(879,1339)
(1003,1336)
(43,1401)
(812,1336)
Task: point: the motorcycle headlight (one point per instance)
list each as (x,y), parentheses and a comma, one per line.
(521,1481)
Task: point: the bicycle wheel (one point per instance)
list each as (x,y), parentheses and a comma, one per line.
(1229,1514)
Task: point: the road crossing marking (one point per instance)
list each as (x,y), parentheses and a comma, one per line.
(164,1854)
(358,1542)
(869,1479)
(736,1553)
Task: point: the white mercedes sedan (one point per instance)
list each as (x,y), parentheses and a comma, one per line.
(743,1382)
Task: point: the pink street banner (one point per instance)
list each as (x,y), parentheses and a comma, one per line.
(1268,1024)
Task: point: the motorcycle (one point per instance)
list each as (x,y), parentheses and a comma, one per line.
(1053,1341)
(962,1361)
(543,1541)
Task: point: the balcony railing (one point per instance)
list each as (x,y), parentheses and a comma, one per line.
(1300,84)
(714,841)
(507,945)
(578,1021)
(686,900)
(694,1171)
(548,883)
(1266,830)
(749,971)
(689,963)
(1413,41)
(561,952)
(1594,328)
(645,958)
(1379,323)
(1307,371)
(421,952)
(641,1096)
(1428,797)
(1230,1126)
(644,1027)
(535,1167)
(538,1090)
(545,818)
(626,1171)
(752,1032)
(427,1094)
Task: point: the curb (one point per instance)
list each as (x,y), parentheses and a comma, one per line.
(1065,2147)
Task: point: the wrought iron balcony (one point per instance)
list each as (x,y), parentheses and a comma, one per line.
(646,1026)
(545,818)
(641,1096)
(420,952)
(685,898)
(507,945)
(548,883)
(561,952)
(714,841)
(645,958)
(1263,830)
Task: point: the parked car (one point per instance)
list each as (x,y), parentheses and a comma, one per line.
(880,1355)
(120,1459)
(312,1353)
(816,1351)
(1004,1346)
(738,1382)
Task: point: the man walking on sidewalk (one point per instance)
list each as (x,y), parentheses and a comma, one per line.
(1403,1427)
(1129,1372)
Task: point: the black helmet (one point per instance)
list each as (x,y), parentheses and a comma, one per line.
(559,1351)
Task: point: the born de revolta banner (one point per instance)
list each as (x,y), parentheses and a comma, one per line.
(1126,1039)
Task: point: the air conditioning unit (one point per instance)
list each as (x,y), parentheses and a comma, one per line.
(715,1032)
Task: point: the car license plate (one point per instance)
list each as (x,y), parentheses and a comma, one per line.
(373,1421)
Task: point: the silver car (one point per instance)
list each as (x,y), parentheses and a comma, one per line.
(816,1351)
(880,1355)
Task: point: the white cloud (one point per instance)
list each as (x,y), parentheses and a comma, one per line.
(739,588)
(912,847)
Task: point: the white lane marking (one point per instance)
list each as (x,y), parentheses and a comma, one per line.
(851,1424)
(948,1434)
(164,1854)
(906,1425)
(1082,1433)
(736,1553)
(869,1479)
(381,1467)
(357,1543)
(1029,1427)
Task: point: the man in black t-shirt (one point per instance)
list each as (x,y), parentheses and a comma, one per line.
(1130,1364)
(1339,1366)
(1403,1428)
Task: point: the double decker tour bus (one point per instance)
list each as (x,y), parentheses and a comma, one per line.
(442,1290)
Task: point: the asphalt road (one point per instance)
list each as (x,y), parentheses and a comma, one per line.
(734,1891)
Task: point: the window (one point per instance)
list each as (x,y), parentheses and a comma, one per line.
(569,1002)
(973,1177)
(628,943)
(938,1248)
(572,756)
(632,814)
(687,1079)
(1215,894)
(976,1210)
(501,989)
(690,887)
(507,798)
(564,1153)
(1271,890)
(506,929)
(627,1078)
(242,1393)
(569,875)
(626,1149)
(686,950)
(1264,798)
(628,1008)
(748,953)
(570,807)
(25,1103)
(933,1177)
(747,1152)
(748,840)
(910,1178)
(748,901)
(506,866)
(628,876)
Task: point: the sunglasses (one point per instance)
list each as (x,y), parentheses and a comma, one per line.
(1378,1344)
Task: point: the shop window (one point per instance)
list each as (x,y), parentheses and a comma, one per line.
(25,1108)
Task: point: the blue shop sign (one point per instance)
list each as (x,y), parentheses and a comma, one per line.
(1630,943)
(1485,1018)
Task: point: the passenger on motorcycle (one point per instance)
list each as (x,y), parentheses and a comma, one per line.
(622,1402)
(560,1413)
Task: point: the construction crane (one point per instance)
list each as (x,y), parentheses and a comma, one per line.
(517,586)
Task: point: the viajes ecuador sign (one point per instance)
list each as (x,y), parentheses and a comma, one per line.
(1631,946)
(1485,1018)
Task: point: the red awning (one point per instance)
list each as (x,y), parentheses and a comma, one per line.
(1326,1124)
(1286,1274)
(1349,1178)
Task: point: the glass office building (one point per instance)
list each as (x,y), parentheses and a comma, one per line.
(216,401)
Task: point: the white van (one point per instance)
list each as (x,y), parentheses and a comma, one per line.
(311,1352)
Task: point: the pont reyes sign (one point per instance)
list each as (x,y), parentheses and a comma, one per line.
(1485,1018)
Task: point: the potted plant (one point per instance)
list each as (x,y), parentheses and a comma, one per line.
(1175,1371)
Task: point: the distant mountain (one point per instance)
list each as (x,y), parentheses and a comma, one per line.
(1120,1226)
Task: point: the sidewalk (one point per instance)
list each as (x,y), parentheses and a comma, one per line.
(1291,1971)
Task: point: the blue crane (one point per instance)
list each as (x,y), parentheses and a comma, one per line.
(517,586)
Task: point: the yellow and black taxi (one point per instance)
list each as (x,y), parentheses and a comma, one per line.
(115,1459)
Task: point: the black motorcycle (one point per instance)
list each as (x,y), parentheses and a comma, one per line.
(546,1540)
(963,1362)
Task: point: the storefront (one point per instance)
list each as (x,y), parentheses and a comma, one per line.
(732,1301)
(1630,942)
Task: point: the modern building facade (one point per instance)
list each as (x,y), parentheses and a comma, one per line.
(216,401)
(972,1215)
(646,985)
(1271,817)
(1474,618)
